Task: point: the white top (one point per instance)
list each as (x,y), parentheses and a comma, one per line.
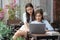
(48,26)
(25,19)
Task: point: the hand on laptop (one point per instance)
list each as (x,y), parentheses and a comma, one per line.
(47,30)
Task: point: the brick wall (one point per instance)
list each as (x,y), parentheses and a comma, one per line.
(56,12)
(56,9)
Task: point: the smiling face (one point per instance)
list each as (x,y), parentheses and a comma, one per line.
(38,17)
(29,10)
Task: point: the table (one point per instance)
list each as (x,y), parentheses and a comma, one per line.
(45,36)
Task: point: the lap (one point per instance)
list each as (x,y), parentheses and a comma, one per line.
(23,28)
(20,33)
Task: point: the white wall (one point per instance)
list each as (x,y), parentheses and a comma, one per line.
(49,7)
(51,11)
(36,4)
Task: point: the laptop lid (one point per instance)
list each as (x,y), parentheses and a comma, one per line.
(37,28)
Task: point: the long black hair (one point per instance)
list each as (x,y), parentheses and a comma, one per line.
(27,14)
(39,11)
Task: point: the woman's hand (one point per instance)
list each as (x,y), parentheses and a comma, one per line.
(47,30)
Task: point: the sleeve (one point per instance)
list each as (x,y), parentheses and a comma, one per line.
(48,26)
(24,18)
(32,22)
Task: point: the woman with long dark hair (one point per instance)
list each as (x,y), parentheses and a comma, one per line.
(28,16)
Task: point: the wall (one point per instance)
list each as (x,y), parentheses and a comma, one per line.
(49,7)
(56,10)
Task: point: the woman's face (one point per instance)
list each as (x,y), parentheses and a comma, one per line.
(29,10)
(38,17)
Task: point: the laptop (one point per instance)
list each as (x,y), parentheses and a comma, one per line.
(37,28)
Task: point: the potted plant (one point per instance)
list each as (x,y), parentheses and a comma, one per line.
(5,31)
(11,10)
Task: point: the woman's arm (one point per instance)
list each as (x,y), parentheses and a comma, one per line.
(25,20)
(48,26)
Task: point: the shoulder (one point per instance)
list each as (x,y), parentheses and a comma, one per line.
(24,13)
(35,22)
(44,21)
